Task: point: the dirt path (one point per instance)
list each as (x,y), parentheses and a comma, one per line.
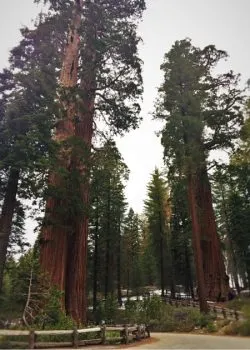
(183,341)
(191,341)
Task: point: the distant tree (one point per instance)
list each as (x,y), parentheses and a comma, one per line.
(131,252)
(181,235)
(109,174)
(156,211)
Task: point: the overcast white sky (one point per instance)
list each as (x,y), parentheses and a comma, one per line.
(224,23)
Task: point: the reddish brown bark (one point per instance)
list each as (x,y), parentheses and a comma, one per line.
(76,297)
(196,238)
(76,303)
(53,251)
(7,217)
(216,280)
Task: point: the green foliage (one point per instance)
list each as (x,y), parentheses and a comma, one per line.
(52,316)
(157,212)
(232,193)
(159,316)
(107,309)
(241,327)
(131,252)
(108,178)
(211,327)
(239,303)
(197,106)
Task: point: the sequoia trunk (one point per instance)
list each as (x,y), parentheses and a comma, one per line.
(54,235)
(7,218)
(76,301)
(76,297)
(216,280)
(193,208)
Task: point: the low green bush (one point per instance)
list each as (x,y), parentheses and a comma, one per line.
(244,328)
(238,303)
(159,316)
(211,327)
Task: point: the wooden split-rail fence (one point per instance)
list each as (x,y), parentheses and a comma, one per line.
(218,311)
(76,338)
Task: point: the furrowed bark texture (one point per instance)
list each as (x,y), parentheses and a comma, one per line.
(216,280)
(7,217)
(67,269)
(76,303)
(196,236)
(54,235)
(76,300)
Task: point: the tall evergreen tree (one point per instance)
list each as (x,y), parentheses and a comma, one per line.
(109,174)
(27,92)
(202,112)
(131,252)
(156,206)
(181,235)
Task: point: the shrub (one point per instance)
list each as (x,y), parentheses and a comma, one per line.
(238,303)
(244,328)
(53,317)
(107,310)
(211,327)
(232,328)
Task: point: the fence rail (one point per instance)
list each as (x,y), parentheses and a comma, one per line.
(216,310)
(103,334)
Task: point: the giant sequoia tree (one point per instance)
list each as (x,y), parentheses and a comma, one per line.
(100,78)
(202,112)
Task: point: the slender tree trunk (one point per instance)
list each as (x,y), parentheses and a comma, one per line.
(7,218)
(232,261)
(162,274)
(107,272)
(119,289)
(53,245)
(96,251)
(216,280)
(189,278)
(162,267)
(197,243)
(108,249)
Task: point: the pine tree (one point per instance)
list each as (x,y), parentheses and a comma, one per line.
(181,235)
(131,252)
(109,174)
(156,206)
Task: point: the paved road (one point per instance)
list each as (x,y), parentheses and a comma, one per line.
(191,341)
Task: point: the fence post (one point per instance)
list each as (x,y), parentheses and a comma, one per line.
(236,315)
(126,334)
(138,335)
(103,334)
(32,339)
(224,313)
(75,338)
